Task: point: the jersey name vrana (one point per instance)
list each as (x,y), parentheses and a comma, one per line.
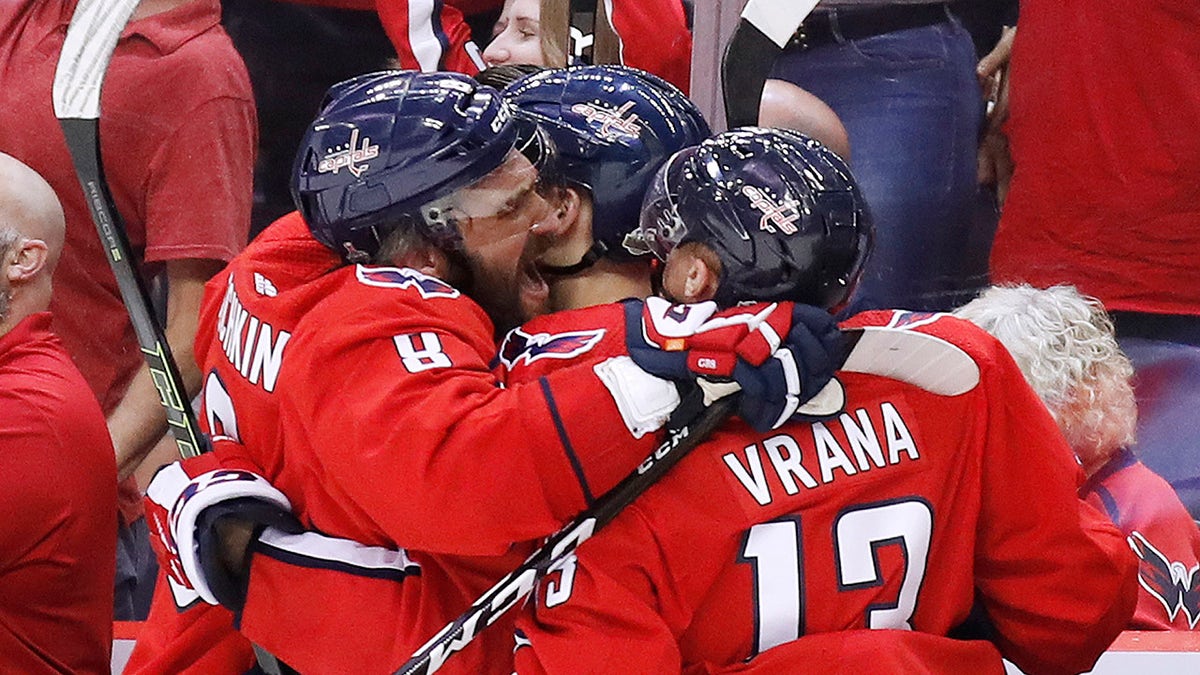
(824,452)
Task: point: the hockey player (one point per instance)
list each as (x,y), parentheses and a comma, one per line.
(761,550)
(308,476)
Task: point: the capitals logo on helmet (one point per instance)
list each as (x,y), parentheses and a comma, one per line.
(782,213)
(612,127)
(405,139)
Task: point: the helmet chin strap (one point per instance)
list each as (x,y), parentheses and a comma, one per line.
(595,253)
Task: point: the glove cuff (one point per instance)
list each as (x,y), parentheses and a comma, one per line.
(194,496)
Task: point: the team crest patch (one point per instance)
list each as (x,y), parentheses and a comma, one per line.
(403,277)
(903,319)
(349,156)
(521,346)
(1175,585)
(775,214)
(611,124)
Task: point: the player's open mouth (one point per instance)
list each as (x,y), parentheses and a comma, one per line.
(535,293)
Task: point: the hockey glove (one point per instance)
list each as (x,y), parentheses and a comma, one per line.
(183,503)
(781,355)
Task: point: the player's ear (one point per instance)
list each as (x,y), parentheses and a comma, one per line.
(700,284)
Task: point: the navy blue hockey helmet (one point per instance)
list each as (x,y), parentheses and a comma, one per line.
(782,212)
(386,144)
(612,127)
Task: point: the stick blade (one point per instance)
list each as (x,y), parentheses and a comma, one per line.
(919,359)
(91,38)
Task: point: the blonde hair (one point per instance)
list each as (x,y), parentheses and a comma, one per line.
(1064,344)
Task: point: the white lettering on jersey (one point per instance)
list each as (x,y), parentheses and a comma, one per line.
(898,437)
(824,450)
(254,348)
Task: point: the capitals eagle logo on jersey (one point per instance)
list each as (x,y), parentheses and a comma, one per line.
(1175,586)
(521,346)
(404,277)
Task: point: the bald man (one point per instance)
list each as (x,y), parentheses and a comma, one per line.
(787,106)
(57,467)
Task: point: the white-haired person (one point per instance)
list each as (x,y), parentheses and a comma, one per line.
(1064,344)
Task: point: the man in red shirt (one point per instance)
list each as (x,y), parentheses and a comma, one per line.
(178,135)
(895,516)
(56,544)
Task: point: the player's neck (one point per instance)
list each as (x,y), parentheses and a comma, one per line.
(600,284)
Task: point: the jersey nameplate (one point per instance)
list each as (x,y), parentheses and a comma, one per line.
(253,347)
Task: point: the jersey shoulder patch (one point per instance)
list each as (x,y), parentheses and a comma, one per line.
(404,277)
(522,347)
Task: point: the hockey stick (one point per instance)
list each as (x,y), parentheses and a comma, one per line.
(88,47)
(763,32)
(916,358)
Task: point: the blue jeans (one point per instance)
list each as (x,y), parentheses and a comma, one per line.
(911,104)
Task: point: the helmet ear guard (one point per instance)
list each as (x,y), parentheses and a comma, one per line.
(781,212)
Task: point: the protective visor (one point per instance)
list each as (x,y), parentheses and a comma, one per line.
(660,229)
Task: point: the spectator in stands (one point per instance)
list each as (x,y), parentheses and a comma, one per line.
(1064,344)
(1113,207)
(56,545)
(653,34)
(901,75)
(178,134)
(518,38)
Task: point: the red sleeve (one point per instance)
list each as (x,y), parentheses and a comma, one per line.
(430,36)
(441,457)
(197,641)
(604,611)
(197,199)
(654,37)
(1056,578)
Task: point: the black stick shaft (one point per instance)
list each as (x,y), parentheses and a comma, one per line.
(79,75)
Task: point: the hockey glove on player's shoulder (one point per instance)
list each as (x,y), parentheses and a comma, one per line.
(781,355)
(183,503)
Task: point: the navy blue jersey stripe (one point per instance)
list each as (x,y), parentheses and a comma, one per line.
(566,442)
(438,32)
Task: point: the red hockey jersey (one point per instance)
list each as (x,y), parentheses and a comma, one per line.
(246,319)
(896,515)
(1163,536)
(416,450)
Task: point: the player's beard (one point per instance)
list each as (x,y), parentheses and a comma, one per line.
(496,291)
(5,298)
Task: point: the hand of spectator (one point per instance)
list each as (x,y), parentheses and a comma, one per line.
(184,504)
(995,166)
(779,355)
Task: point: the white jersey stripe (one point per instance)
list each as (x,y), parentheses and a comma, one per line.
(318,550)
(422,37)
